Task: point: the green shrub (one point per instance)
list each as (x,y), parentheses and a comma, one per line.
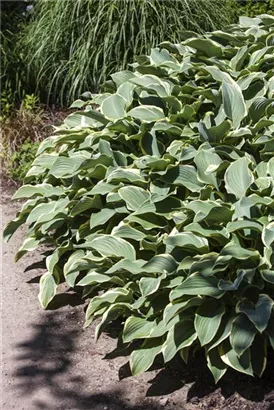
(13,70)
(71,46)
(252,8)
(21,160)
(159,205)
(12,15)
(21,132)
(7,105)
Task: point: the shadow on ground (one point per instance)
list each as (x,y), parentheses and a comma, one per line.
(45,357)
(44,361)
(197,375)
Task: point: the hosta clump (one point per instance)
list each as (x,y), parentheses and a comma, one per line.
(159,204)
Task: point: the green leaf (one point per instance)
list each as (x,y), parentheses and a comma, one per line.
(270,331)
(148,286)
(197,284)
(258,352)
(108,298)
(29,244)
(181,335)
(228,285)
(268,235)
(134,267)
(205,46)
(111,314)
(168,128)
(210,211)
(208,319)
(204,159)
(218,74)
(125,90)
(244,224)
(124,175)
(102,188)
(187,240)
(258,107)
(172,310)
(247,22)
(233,250)
(95,115)
(185,175)
(40,210)
(45,212)
(85,119)
(217,367)
(203,264)
(240,363)
(153,83)
(223,331)
(90,163)
(259,314)
(242,334)
(48,287)
(122,76)
(111,246)
(84,204)
(13,226)
(95,278)
(74,257)
(114,107)
(238,177)
(267,275)
(147,113)
(214,134)
(45,190)
(270,167)
(78,104)
(53,259)
(101,217)
(133,196)
(221,234)
(137,328)
(66,166)
(238,60)
(245,81)
(160,264)
(142,359)
(69,272)
(147,221)
(258,54)
(246,205)
(159,56)
(127,232)
(234,104)
(184,353)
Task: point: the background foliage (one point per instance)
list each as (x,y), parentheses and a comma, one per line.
(71,47)
(159,204)
(253,8)
(13,69)
(53,67)
(22,130)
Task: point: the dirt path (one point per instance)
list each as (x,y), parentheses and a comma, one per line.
(49,362)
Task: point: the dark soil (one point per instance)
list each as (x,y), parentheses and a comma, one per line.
(49,362)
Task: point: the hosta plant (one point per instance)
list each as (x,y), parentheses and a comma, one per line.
(159,203)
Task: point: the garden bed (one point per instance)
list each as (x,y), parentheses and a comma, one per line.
(50,363)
